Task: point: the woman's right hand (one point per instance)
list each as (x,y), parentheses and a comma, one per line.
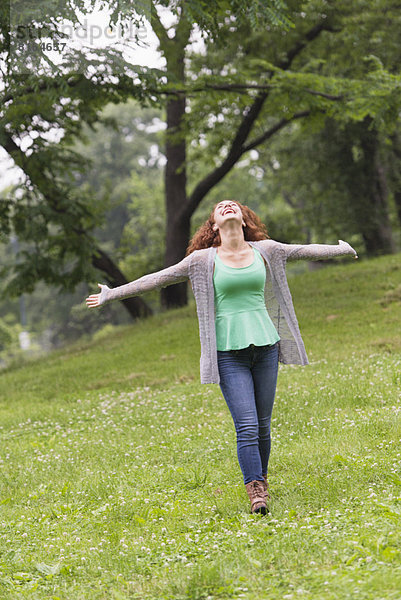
(98,299)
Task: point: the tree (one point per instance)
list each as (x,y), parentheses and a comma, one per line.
(256,98)
(50,217)
(337,172)
(393,170)
(179,206)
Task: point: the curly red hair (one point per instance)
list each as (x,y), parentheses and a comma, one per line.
(206,237)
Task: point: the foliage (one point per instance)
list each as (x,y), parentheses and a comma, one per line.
(10,349)
(318,80)
(6,334)
(258,13)
(54,217)
(355,96)
(126,178)
(331,177)
(126,175)
(115,166)
(252,183)
(142,243)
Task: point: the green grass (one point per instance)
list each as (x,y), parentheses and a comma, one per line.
(119,476)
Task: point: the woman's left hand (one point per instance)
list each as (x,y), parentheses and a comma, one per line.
(97,299)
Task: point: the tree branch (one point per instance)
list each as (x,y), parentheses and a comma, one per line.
(217,174)
(136,306)
(158,27)
(234,154)
(184,28)
(270,132)
(311,35)
(42,86)
(239,87)
(237,145)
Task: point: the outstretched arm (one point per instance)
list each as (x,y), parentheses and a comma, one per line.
(153,281)
(316,251)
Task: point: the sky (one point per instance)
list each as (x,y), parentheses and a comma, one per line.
(99,36)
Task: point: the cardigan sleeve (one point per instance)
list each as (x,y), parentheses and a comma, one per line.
(153,281)
(316,251)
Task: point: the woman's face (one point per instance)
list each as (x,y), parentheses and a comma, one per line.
(226,210)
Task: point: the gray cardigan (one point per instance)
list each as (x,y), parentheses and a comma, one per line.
(198,268)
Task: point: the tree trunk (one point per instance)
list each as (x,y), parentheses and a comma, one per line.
(175,178)
(178,225)
(135,305)
(397,201)
(375,220)
(395,175)
(376,229)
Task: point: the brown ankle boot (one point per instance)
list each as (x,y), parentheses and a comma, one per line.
(266,488)
(256,495)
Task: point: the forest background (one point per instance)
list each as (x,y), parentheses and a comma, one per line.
(291,108)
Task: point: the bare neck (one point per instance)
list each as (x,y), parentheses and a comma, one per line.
(232,238)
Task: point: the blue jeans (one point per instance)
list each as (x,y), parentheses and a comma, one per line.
(248,380)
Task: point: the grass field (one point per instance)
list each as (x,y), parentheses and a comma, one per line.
(119,474)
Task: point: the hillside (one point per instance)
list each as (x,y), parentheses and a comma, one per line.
(120,477)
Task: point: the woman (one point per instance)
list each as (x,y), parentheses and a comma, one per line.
(247,322)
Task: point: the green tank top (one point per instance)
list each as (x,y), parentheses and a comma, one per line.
(240,310)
